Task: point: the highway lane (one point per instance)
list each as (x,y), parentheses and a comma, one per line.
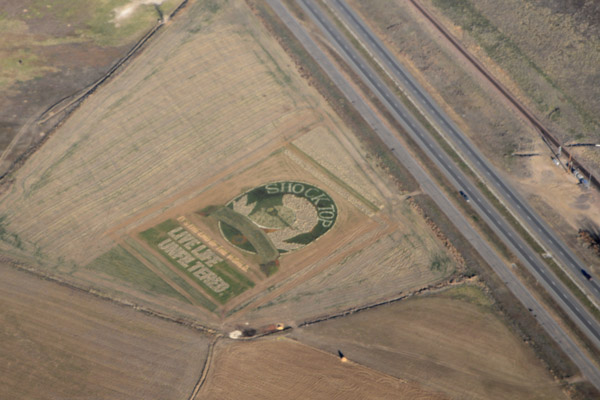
(533,222)
(530,259)
(495,261)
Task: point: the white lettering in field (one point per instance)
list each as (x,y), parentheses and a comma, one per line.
(175,251)
(194,256)
(217,247)
(196,247)
(210,279)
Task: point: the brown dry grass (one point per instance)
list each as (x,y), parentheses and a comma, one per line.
(450,342)
(50,54)
(319,144)
(59,343)
(550,52)
(282,368)
(388,265)
(488,121)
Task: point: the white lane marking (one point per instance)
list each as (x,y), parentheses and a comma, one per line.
(444,122)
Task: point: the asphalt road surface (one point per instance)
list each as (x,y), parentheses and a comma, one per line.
(536,226)
(438,157)
(478,201)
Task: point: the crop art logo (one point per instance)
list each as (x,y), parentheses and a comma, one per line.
(277,218)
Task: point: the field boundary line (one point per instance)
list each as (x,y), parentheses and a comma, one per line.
(451,281)
(205,368)
(20,266)
(337,180)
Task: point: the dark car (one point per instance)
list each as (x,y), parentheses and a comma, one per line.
(586,274)
(464,195)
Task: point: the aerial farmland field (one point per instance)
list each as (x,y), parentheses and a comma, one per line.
(290,369)
(183,129)
(60,343)
(210,187)
(452,342)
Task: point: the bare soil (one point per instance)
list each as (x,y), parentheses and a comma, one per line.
(283,368)
(59,343)
(564,204)
(451,342)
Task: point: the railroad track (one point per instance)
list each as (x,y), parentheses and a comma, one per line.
(548,137)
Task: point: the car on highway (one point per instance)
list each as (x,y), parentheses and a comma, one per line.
(586,274)
(464,195)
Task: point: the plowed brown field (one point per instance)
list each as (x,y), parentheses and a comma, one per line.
(56,343)
(451,342)
(285,369)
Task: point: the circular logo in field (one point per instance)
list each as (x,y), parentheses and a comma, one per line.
(284,216)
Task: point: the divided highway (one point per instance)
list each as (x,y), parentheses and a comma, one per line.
(437,117)
(529,257)
(421,136)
